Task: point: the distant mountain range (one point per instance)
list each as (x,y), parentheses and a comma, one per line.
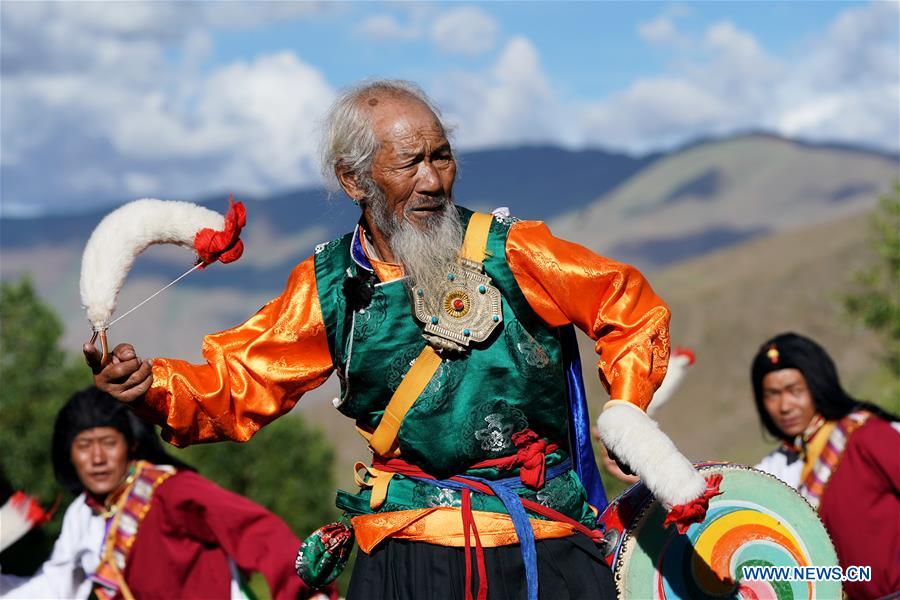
(651,211)
(714,194)
(538,181)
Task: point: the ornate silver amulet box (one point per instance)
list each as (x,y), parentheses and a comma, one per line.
(466,308)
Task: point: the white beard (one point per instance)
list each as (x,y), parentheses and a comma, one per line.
(426,254)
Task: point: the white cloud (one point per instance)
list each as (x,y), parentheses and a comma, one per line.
(245,15)
(272,107)
(510,103)
(663,30)
(465,30)
(116,100)
(96,100)
(387,27)
(659,31)
(652,113)
(861,46)
(843,87)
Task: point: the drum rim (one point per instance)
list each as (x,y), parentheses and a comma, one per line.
(627,533)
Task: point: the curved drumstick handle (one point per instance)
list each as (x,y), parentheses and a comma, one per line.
(104,345)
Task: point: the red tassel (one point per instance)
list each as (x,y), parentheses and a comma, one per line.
(466,518)
(683,351)
(226,245)
(34,514)
(685,515)
(531,457)
(469,526)
(482,566)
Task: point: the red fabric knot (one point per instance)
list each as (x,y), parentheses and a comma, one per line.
(532,457)
(685,515)
(226,245)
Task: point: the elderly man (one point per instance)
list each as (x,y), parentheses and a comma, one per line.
(451,333)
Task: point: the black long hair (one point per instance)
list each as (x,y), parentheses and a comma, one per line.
(794,351)
(91,408)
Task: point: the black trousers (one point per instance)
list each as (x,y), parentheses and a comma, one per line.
(401,570)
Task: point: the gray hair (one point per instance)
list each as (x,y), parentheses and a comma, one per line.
(348,140)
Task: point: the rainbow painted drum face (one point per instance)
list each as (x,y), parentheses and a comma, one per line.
(757,521)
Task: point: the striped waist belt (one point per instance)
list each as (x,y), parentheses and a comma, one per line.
(431,524)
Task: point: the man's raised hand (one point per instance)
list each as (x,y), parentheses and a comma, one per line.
(126,378)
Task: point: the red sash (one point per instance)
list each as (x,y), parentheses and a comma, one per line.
(814,484)
(129,511)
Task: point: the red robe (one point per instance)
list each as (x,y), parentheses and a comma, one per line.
(861,508)
(192,528)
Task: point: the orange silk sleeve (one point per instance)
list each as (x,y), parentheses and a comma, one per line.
(253,373)
(610,301)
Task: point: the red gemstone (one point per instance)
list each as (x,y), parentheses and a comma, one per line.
(458,304)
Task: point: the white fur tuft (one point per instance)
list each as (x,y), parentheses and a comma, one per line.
(125,233)
(17,517)
(678,367)
(637,440)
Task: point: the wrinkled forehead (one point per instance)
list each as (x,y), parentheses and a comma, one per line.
(394,117)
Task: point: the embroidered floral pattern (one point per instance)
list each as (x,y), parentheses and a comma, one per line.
(425,494)
(327,246)
(496,436)
(526,350)
(560,493)
(444,497)
(493,431)
(553,495)
(368,320)
(506,220)
(399,366)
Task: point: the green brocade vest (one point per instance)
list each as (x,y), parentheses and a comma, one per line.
(474,402)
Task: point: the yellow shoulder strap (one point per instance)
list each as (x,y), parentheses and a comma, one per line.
(407,392)
(475,242)
(426,364)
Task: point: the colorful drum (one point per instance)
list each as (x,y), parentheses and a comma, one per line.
(757,521)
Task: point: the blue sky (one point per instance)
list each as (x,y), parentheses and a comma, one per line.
(570,36)
(105,102)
